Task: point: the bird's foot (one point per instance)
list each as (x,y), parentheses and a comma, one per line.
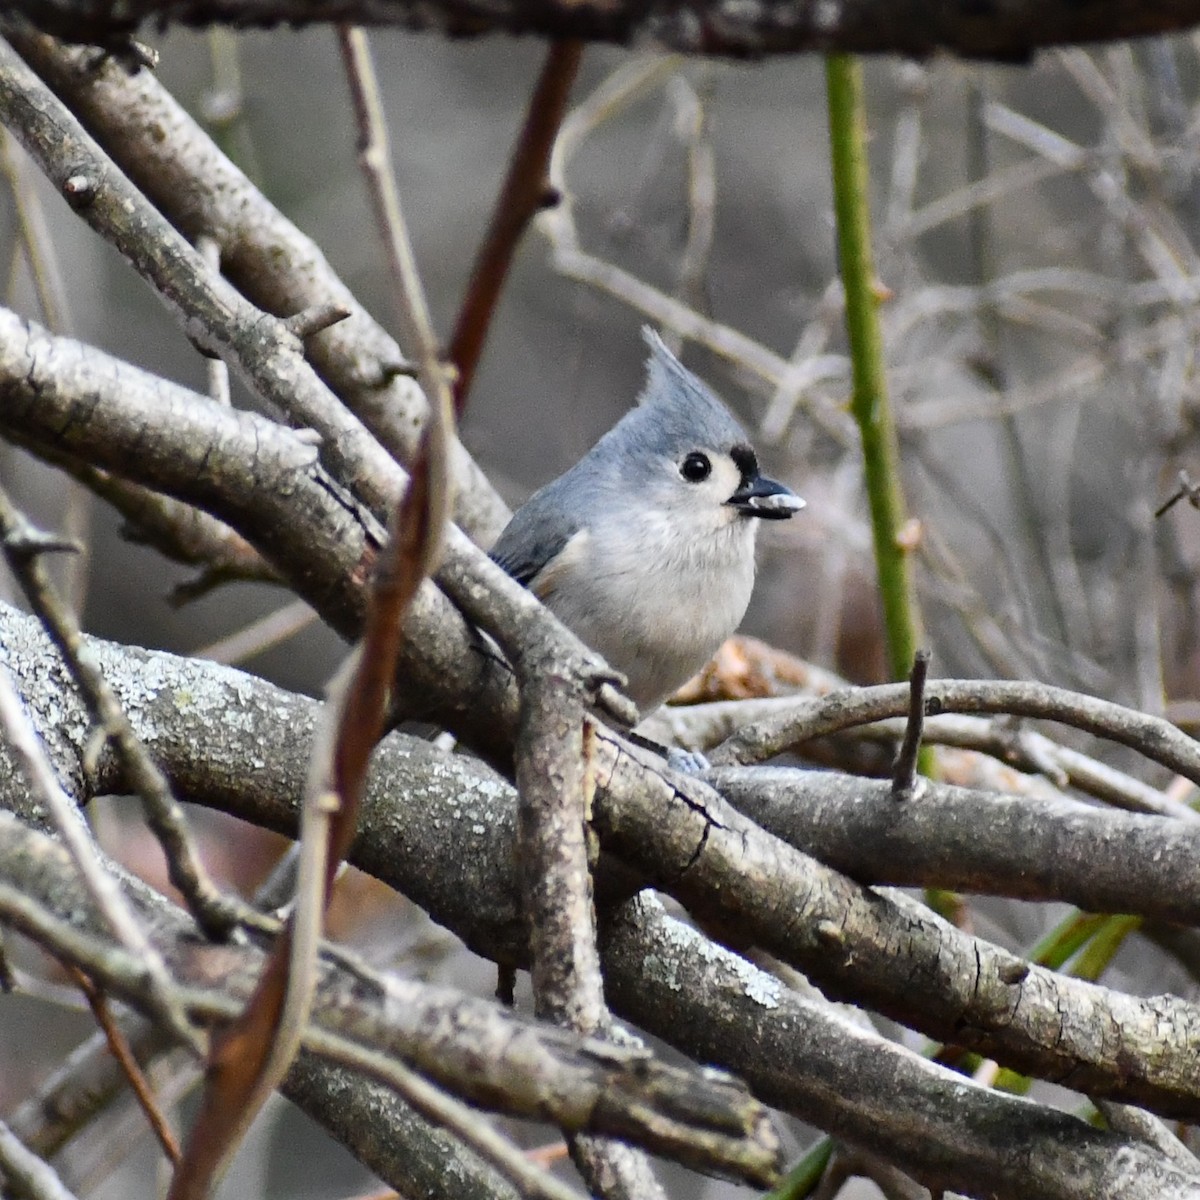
(688,762)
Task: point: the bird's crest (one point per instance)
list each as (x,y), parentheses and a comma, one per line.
(685,409)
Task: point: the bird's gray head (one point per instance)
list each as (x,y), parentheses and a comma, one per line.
(645,547)
(680,451)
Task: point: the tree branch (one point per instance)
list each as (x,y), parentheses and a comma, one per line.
(450,849)
(917,27)
(1031,848)
(938,1126)
(266,482)
(1151,736)
(167,154)
(483,1052)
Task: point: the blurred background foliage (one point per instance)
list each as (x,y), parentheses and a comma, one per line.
(1038,248)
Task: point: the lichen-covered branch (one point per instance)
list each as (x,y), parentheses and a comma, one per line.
(265,482)
(478,1049)
(450,848)
(941,1128)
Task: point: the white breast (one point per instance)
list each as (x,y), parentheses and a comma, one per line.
(656,606)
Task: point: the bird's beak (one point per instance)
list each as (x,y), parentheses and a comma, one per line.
(763,497)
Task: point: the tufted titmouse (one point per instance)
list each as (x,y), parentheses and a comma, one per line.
(645,547)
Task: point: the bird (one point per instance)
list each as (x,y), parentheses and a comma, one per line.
(645,548)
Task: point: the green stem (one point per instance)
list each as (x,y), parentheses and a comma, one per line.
(1096,956)
(881,448)
(1066,939)
(803,1178)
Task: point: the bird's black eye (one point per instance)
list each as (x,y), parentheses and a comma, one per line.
(696,467)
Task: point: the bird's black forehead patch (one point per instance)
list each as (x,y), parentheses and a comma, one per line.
(745,460)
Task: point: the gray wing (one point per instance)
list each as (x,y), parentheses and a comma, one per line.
(536,535)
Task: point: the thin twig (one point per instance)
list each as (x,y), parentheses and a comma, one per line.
(28,1175)
(253,1057)
(118,1134)
(1151,736)
(23,547)
(693,126)
(408,293)
(37,243)
(1187,490)
(102,887)
(42,256)
(218,369)
(526,191)
(308,322)
(83,1084)
(261,635)
(120,1049)
(905,780)
(181,532)
(616,93)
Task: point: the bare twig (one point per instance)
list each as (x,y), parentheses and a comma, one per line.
(100,884)
(693,127)
(1187,490)
(218,371)
(28,1175)
(39,248)
(558,224)
(408,292)
(1157,739)
(525,192)
(214,912)
(37,243)
(120,1049)
(260,635)
(118,1133)
(905,780)
(85,1082)
(308,322)
(253,1057)
(530,1177)
(181,532)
